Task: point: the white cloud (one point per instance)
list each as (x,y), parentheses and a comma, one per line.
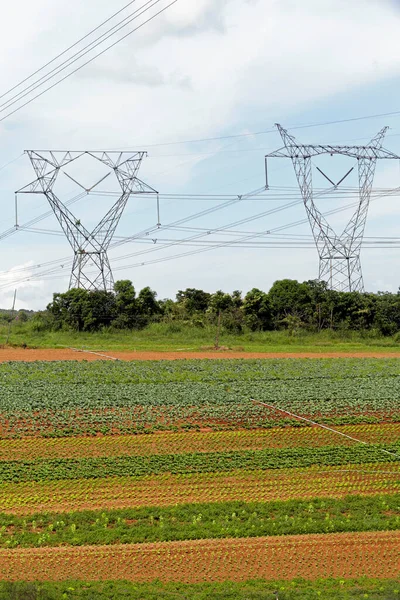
(30,291)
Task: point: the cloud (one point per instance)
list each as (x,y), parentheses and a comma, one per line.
(190,19)
(29,290)
(134,74)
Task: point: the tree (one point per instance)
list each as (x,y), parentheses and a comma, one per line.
(68,308)
(387,312)
(257,309)
(237,300)
(352,310)
(126,304)
(220,302)
(289,297)
(22,316)
(193,300)
(83,310)
(147,303)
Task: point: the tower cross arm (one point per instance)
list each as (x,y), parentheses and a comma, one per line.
(143,188)
(358,152)
(372,150)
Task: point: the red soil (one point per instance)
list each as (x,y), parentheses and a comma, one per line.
(29,355)
(348,555)
(32,448)
(167,489)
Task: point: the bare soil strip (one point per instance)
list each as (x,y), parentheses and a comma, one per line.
(206,441)
(168,489)
(349,555)
(30,355)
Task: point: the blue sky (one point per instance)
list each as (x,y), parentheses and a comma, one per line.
(206,69)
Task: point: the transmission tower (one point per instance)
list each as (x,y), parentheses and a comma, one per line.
(339,255)
(91,268)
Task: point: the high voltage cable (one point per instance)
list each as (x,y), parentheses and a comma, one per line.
(178,242)
(10,162)
(229,243)
(26,226)
(290,238)
(67,49)
(208,248)
(94,57)
(243,198)
(207,211)
(12,230)
(241,221)
(272,130)
(234,198)
(202,213)
(212,209)
(232,201)
(73,59)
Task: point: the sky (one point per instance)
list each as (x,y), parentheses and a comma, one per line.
(202,69)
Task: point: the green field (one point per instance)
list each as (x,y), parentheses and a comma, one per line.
(251,590)
(163,337)
(160,476)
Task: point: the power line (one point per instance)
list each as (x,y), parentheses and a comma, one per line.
(93,58)
(10,162)
(272,130)
(73,59)
(231,243)
(228,243)
(67,50)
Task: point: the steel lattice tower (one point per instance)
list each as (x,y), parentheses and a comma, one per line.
(339,255)
(91,268)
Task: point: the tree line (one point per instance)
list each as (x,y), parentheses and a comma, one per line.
(289,305)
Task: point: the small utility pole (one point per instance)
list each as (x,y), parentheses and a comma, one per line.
(12,314)
(218,331)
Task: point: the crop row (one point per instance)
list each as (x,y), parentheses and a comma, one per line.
(199,371)
(328,396)
(375,554)
(331,589)
(166,489)
(60,410)
(134,466)
(201,521)
(193,441)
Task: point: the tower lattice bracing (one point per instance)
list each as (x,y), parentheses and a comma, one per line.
(91,267)
(339,255)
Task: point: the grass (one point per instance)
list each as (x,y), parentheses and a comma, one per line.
(299,589)
(181,337)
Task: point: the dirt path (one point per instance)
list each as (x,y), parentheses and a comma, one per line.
(348,555)
(29,355)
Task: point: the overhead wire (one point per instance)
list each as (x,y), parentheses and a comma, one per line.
(250,236)
(228,243)
(271,130)
(148,20)
(67,49)
(10,162)
(73,59)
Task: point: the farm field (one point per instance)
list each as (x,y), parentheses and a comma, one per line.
(120,473)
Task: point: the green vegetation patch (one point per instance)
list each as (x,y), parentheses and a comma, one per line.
(222,370)
(206,462)
(201,521)
(332,589)
(60,399)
